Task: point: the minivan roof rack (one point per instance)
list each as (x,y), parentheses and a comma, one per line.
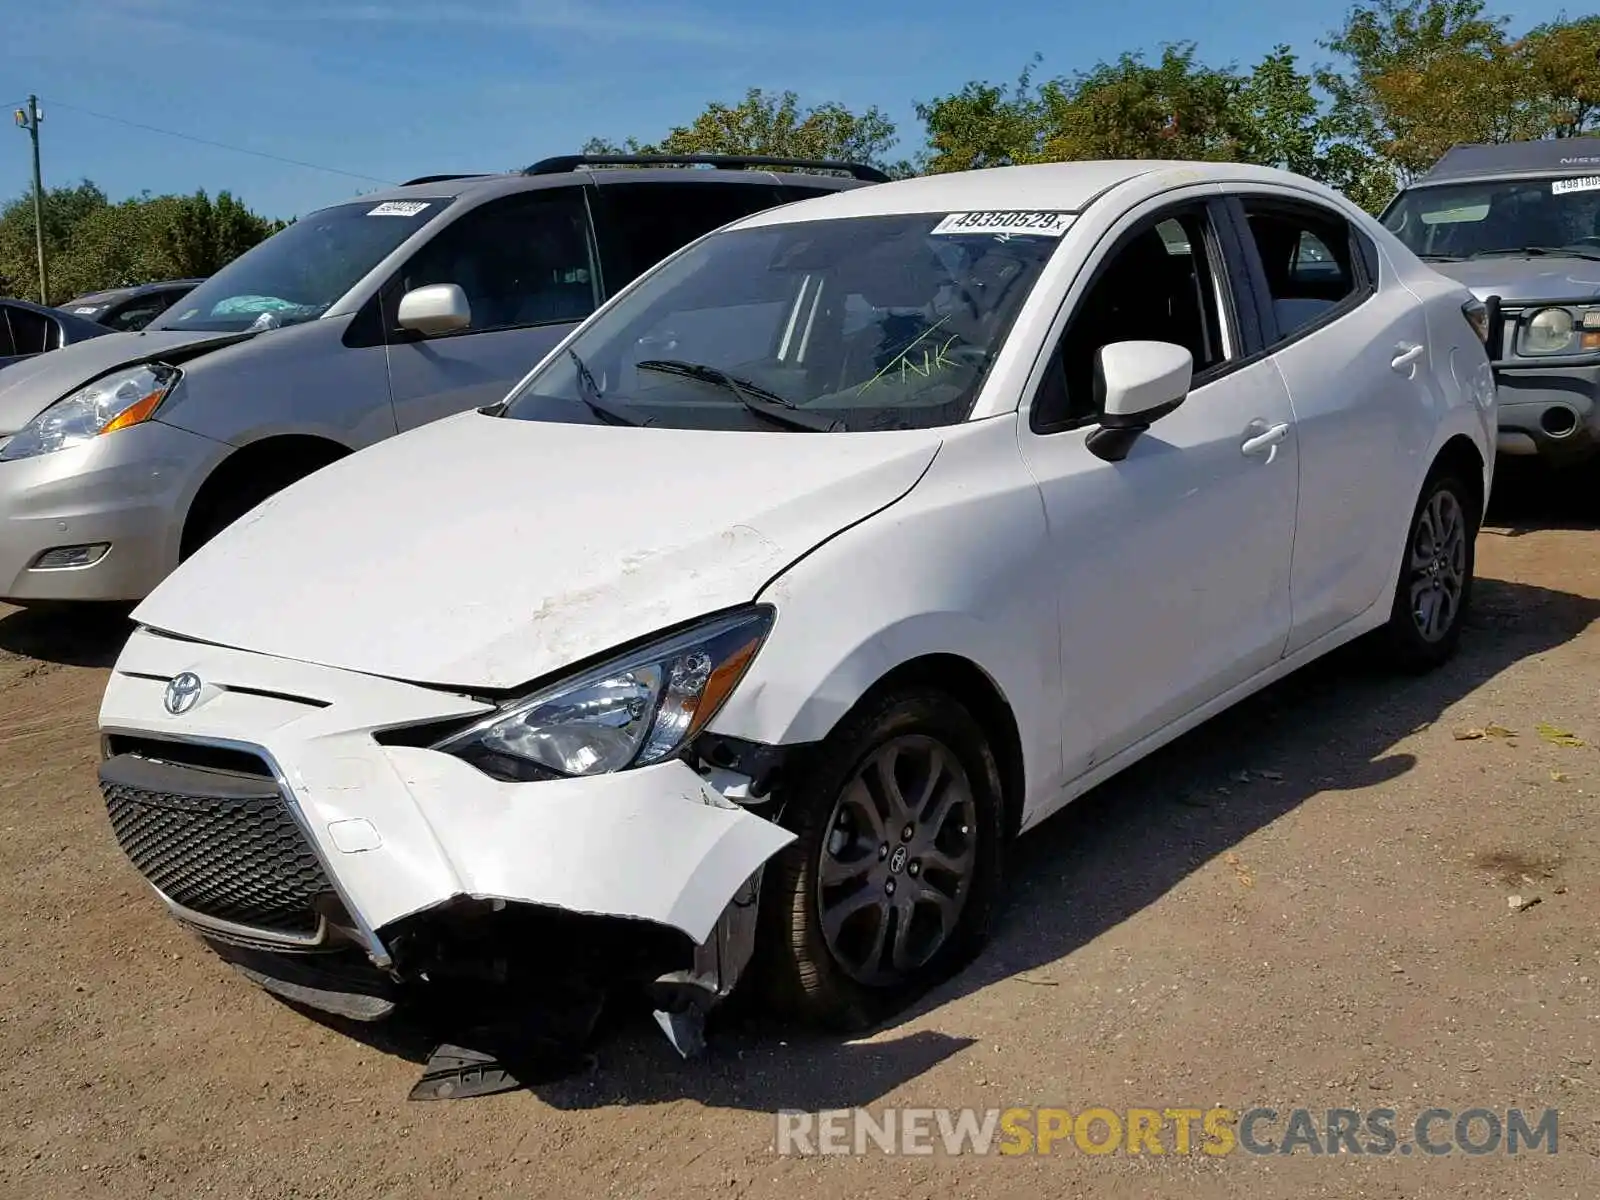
(441,178)
(732,162)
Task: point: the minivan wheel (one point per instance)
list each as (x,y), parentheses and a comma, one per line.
(1435,586)
(892,879)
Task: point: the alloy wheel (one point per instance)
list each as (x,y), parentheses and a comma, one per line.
(898,861)
(1438,566)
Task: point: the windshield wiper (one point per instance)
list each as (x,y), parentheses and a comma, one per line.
(1441,258)
(753,396)
(589,393)
(1539,252)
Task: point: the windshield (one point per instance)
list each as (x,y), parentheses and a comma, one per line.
(860,323)
(298,273)
(1480,220)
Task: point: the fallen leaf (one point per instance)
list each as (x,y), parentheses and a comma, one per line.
(1240,871)
(1558,737)
(1558,776)
(1475,734)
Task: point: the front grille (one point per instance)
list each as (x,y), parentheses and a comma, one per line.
(221,843)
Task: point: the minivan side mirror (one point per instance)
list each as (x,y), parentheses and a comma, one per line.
(435,309)
(1139,383)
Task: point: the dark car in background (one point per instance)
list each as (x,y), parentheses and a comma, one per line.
(27,329)
(1519,224)
(131,308)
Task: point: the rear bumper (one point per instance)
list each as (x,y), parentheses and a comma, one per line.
(1552,413)
(400,832)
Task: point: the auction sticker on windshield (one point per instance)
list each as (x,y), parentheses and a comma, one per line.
(1586,183)
(399,208)
(1022,224)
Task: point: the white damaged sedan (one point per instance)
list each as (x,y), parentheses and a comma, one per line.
(848,543)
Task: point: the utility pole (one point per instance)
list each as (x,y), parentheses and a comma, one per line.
(29,119)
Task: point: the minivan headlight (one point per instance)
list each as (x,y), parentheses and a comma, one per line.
(125,397)
(640,708)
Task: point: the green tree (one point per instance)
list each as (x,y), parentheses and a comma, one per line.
(986,125)
(1175,108)
(93,243)
(773,124)
(1423,75)
(1562,64)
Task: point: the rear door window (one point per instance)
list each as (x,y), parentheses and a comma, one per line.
(643,223)
(32,333)
(8,345)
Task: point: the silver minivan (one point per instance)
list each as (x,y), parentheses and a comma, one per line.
(120,456)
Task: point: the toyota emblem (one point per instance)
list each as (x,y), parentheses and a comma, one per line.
(182,692)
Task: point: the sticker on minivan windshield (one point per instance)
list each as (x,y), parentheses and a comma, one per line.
(1021,224)
(399,208)
(1586,183)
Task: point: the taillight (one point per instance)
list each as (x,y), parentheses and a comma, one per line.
(1477,314)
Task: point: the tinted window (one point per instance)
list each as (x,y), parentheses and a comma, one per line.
(523,260)
(32,333)
(860,323)
(136,314)
(8,346)
(1306,254)
(1158,285)
(647,222)
(1478,220)
(299,273)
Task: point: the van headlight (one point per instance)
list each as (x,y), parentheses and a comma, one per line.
(640,708)
(125,397)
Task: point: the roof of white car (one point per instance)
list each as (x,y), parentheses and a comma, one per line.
(1037,187)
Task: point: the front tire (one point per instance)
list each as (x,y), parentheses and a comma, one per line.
(892,879)
(1434,590)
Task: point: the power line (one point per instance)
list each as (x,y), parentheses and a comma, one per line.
(172,133)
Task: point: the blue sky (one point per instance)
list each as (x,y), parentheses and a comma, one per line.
(399,88)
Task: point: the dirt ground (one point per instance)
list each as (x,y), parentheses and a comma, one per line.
(1304,904)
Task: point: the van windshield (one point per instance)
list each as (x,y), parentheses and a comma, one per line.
(1452,222)
(855,323)
(300,272)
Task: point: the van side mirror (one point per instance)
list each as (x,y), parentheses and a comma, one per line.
(1138,383)
(435,309)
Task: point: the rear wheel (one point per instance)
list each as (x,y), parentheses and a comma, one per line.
(892,878)
(1434,590)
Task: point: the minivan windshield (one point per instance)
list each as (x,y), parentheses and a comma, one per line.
(855,323)
(1531,217)
(298,273)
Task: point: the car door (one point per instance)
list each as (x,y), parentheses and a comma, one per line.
(1353,355)
(527,265)
(1173,563)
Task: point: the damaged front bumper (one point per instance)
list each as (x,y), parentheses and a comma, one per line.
(272,821)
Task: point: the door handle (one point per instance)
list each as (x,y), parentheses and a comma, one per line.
(1408,354)
(1265,440)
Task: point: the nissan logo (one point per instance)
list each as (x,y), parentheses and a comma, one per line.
(182,692)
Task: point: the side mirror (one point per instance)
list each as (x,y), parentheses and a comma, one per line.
(1139,383)
(435,309)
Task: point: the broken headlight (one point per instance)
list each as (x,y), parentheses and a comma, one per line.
(639,708)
